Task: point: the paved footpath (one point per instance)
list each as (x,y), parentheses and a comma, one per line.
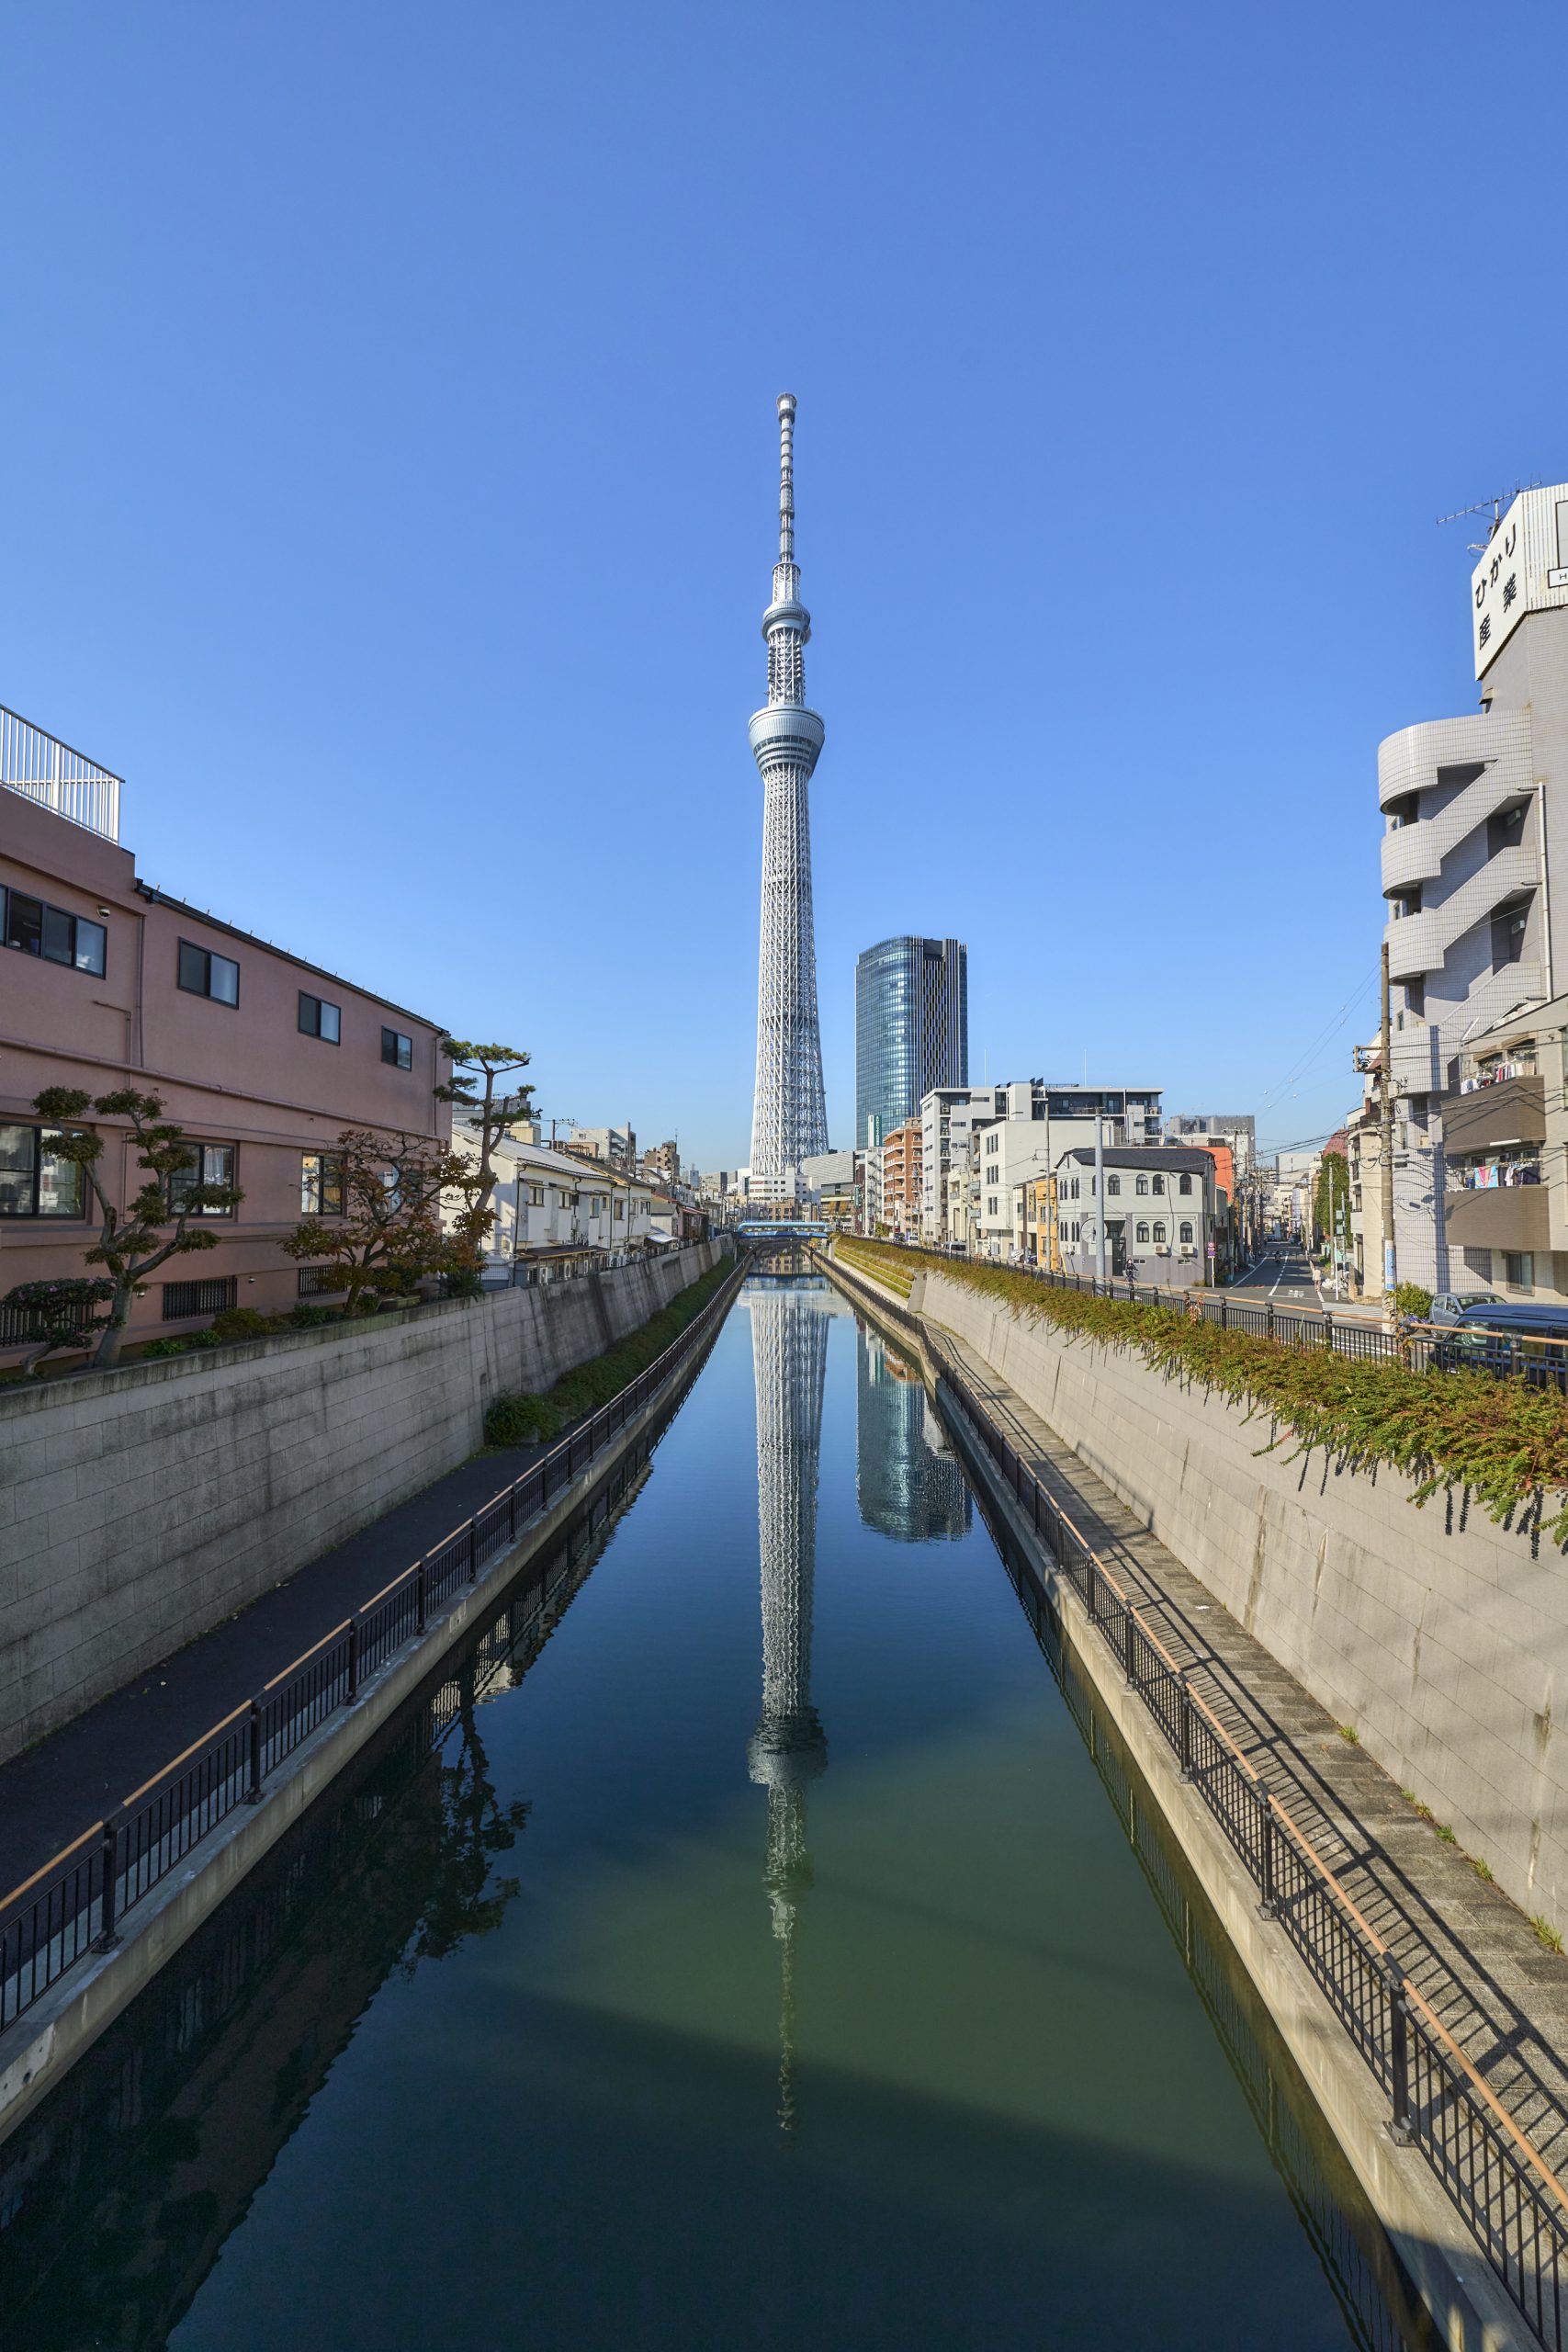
(1469,1950)
(75,1776)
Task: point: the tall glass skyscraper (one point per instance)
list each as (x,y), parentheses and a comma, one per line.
(911,1029)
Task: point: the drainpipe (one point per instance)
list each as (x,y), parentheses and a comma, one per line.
(1098,1198)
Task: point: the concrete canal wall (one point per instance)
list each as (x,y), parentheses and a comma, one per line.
(1440,1638)
(140,1508)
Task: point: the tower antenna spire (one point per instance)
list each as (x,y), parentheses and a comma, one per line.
(789,1120)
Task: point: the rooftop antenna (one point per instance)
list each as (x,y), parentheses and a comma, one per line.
(1494,507)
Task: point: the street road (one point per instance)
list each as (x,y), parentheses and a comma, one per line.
(1281,1272)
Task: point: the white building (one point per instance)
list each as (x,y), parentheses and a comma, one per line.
(1006,1135)
(555,1214)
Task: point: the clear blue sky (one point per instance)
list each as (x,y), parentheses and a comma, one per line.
(389,443)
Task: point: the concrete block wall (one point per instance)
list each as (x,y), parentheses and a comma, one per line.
(1438,1636)
(140,1508)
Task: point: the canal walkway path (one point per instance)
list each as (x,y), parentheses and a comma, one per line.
(77,1775)
(1464,1943)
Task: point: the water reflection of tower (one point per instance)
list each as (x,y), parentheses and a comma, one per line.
(789,1354)
(906,1487)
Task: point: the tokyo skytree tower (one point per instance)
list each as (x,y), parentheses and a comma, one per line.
(789,1118)
(788,1749)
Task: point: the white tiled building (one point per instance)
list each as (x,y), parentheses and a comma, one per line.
(556,1214)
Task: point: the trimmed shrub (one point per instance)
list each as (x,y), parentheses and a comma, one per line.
(240,1323)
(523,1420)
(1409,1298)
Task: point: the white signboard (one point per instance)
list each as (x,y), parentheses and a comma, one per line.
(1523,569)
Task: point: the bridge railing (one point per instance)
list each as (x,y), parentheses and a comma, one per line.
(75,1903)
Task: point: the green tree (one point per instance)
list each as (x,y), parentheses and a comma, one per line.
(388,1232)
(60,1314)
(485,1108)
(155,1223)
(1331,1192)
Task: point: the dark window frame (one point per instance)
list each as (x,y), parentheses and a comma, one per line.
(329,1182)
(189,1178)
(75,925)
(209,956)
(213,1296)
(79,1214)
(400,1055)
(312,1008)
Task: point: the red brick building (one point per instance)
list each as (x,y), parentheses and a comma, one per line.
(263,1058)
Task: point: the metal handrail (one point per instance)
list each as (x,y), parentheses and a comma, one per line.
(1529,2255)
(81,1902)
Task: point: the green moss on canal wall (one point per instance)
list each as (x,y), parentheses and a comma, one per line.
(522,1420)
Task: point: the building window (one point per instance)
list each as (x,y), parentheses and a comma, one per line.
(320,1184)
(535,1196)
(1187,1229)
(1159,1183)
(1113,1184)
(1518,1269)
(320,1281)
(34,1180)
(397,1049)
(181,1299)
(1143,1233)
(214,1165)
(1187,1183)
(319,1019)
(1415,998)
(1142,1185)
(35,928)
(992,1206)
(204,974)
(1479,1262)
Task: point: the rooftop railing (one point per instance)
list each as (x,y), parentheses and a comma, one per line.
(41,768)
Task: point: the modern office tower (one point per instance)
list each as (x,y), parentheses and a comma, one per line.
(904,1487)
(788,1750)
(789,1118)
(1476,811)
(911,1029)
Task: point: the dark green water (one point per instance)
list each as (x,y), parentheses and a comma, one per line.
(755,1944)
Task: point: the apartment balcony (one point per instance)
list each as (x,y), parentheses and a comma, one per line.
(41,767)
(1510,1217)
(1495,1118)
(1409,761)
(1417,944)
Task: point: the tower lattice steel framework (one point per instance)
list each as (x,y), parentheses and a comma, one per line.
(788,1749)
(789,1118)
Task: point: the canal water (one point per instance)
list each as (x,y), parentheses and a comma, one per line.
(754,1941)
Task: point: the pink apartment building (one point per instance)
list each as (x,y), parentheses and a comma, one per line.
(261,1057)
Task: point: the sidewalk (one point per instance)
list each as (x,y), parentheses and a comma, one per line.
(53,1791)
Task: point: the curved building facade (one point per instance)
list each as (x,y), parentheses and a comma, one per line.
(911,1029)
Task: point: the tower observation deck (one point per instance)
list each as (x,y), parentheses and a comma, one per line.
(789,1119)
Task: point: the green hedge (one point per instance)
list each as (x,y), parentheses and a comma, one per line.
(1504,1443)
(523,1419)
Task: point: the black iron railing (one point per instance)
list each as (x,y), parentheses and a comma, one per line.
(76,1901)
(1510,2199)
(1420,1347)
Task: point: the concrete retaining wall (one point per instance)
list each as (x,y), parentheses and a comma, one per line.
(1437,1636)
(140,1508)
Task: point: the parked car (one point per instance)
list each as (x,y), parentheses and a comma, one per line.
(1529,1342)
(1449,1305)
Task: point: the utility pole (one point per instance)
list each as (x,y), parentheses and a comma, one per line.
(1385,1171)
(1099,1199)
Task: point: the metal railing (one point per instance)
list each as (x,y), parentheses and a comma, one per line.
(41,767)
(75,1903)
(1512,2201)
(1420,1347)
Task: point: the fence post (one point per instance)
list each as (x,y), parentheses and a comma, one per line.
(1092,1594)
(352,1691)
(1184,1727)
(1129,1649)
(422,1596)
(1328,1330)
(473,1549)
(1225,1312)
(108,1934)
(1269,1906)
(1270,1323)
(1399,2130)
(254,1787)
